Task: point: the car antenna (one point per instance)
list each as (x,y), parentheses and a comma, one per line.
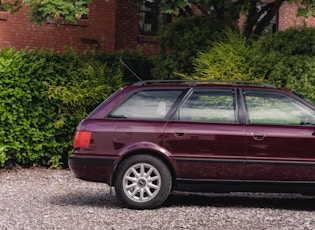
(127,67)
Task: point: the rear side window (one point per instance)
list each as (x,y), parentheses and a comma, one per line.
(209,105)
(276,108)
(147,104)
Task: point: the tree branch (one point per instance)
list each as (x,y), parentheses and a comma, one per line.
(271,12)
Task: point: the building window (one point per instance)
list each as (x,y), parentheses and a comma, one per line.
(84,16)
(149,17)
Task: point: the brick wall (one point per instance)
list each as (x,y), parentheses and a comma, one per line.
(287,17)
(127,30)
(111,25)
(99,28)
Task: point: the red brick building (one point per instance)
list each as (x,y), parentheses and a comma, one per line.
(112,25)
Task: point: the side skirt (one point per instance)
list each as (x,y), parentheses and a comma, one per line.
(227,186)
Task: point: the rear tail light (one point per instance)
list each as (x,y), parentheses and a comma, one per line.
(82,139)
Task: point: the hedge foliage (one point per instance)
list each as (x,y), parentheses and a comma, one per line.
(228,58)
(293,41)
(285,59)
(180,41)
(134,64)
(43,96)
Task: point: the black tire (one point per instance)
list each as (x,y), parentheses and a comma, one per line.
(142,182)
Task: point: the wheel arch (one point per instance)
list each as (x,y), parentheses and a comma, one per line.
(165,159)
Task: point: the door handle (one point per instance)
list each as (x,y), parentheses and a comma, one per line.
(258,136)
(180,133)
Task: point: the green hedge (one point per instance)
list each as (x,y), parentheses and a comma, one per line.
(135,61)
(287,59)
(180,41)
(293,41)
(43,96)
(228,58)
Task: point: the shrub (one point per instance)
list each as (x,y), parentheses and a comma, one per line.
(138,66)
(134,60)
(293,41)
(296,72)
(180,41)
(228,58)
(287,59)
(43,95)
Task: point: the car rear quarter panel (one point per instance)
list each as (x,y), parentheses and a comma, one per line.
(116,139)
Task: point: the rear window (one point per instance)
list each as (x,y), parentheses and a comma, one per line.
(147,104)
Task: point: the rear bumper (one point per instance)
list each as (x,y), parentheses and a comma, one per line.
(91,168)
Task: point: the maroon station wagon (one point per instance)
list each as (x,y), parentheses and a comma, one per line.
(154,137)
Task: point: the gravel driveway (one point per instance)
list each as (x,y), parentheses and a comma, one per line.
(53,199)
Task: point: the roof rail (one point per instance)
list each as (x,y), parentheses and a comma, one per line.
(195,82)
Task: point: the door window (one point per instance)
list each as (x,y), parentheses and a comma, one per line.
(277,108)
(217,106)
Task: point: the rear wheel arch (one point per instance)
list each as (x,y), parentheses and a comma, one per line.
(145,152)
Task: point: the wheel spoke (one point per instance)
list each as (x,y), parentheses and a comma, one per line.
(142,170)
(131,186)
(132,179)
(150,185)
(141,195)
(147,190)
(134,192)
(147,175)
(150,179)
(134,171)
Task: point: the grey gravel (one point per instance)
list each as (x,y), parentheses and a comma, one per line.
(40,198)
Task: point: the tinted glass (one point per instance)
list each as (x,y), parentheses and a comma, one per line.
(147,104)
(212,105)
(277,108)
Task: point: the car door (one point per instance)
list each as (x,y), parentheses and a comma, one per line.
(280,137)
(205,137)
